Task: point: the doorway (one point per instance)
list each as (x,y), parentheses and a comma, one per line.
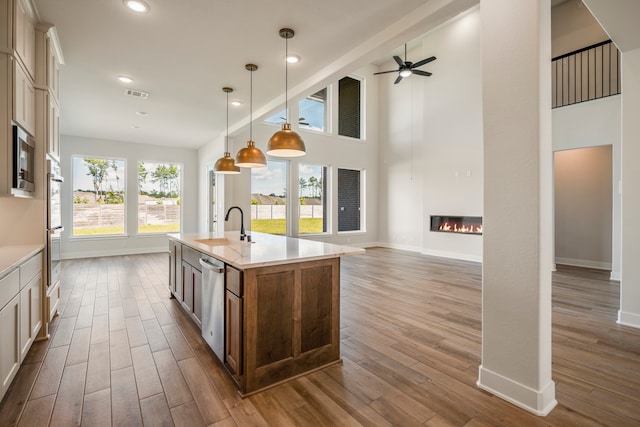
(583,206)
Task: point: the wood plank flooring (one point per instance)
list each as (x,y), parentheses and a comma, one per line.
(122,353)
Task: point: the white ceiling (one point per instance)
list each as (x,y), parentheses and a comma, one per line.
(184,52)
(619,19)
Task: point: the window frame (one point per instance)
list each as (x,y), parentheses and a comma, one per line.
(326,200)
(125,232)
(326,112)
(180,194)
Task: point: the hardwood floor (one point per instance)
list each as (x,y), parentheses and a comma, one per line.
(122,353)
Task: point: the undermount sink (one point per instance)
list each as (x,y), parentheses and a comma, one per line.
(221,241)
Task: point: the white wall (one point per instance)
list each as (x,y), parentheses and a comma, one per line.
(431,158)
(81,247)
(629,313)
(322,149)
(583,196)
(573,27)
(591,124)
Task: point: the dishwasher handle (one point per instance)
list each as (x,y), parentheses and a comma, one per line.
(211,267)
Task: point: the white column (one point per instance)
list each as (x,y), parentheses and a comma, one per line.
(629,313)
(517,239)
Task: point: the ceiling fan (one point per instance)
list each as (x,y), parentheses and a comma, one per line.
(406,68)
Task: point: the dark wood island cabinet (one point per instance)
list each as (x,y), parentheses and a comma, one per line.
(281,303)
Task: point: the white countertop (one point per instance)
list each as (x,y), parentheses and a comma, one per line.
(13,256)
(264,250)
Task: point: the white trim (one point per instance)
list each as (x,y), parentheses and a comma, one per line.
(615,276)
(584,263)
(453,255)
(113,252)
(538,402)
(440,254)
(628,319)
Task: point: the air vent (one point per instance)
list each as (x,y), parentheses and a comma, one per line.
(136,93)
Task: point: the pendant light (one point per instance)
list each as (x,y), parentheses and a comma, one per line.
(285,142)
(251,156)
(225,164)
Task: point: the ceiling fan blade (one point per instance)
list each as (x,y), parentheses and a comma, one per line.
(398,80)
(421,73)
(398,60)
(385,72)
(424,61)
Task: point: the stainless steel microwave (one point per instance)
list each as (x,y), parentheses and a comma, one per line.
(23,160)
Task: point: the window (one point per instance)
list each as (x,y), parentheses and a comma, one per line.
(269,198)
(312,212)
(158,197)
(98,196)
(313,111)
(349,193)
(349,106)
(278,118)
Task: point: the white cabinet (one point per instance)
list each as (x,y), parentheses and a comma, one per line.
(53,69)
(30,302)
(47,83)
(9,328)
(24,36)
(20,316)
(24,100)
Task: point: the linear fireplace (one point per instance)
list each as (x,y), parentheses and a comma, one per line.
(457,224)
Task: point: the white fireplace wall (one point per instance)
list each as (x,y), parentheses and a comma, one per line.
(431,143)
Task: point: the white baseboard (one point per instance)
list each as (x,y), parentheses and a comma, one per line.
(441,254)
(584,263)
(628,319)
(399,246)
(453,255)
(111,252)
(539,402)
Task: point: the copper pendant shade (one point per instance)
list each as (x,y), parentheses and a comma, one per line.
(226,164)
(251,156)
(285,142)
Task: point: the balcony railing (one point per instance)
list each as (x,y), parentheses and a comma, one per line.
(589,73)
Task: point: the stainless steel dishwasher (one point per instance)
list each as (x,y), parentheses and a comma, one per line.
(213,304)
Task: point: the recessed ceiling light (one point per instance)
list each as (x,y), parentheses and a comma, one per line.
(292,59)
(125,79)
(142,113)
(236,103)
(137,5)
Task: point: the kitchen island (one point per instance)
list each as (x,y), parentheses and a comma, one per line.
(281,312)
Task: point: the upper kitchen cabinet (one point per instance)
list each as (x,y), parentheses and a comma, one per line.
(24,100)
(48,59)
(18,19)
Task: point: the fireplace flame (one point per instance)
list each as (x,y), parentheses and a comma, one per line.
(462,228)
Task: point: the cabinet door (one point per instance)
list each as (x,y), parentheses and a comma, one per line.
(36,305)
(9,342)
(187,286)
(233,332)
(30,314)
(53,70)
(24,107)
(197,294)
(25,37)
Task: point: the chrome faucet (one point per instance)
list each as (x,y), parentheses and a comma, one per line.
(226,218)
